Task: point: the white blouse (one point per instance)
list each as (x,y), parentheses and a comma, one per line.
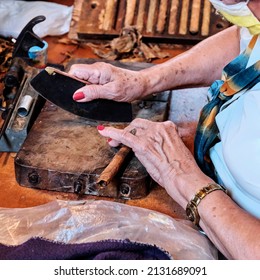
(237,157)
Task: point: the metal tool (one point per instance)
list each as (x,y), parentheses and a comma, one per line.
(58,87)
(27,38)
(15,127)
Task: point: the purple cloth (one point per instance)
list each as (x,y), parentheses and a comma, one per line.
(41,249)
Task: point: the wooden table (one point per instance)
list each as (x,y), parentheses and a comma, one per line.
(14,196)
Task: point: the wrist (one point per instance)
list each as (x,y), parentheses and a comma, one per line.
(183,188)
(192,206)
(152,80)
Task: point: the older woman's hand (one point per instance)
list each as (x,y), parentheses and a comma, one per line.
(160,149)
(109,82)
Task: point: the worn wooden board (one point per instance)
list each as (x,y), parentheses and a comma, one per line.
(64,152)
(176,21)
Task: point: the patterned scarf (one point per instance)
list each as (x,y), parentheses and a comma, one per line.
(235,78)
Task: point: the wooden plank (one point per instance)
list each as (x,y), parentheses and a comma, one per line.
(92,17)
(187,21)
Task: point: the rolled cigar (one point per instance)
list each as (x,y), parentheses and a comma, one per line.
(195,16)
(113,167)
(151,16)
(130,12)
(173,16)
(184,17)
(140,15)
(162,16)
(110,13)
(206,18)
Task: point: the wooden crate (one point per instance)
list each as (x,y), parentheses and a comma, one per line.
(177,21)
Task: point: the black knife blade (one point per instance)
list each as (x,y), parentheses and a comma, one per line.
(58,87)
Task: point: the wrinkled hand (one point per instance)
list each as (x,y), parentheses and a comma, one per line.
(108,82)
(160,149)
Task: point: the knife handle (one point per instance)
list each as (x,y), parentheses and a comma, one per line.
(52,71)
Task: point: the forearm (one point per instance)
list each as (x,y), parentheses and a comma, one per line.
(231,229)
(199,66)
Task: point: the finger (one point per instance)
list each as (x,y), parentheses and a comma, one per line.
(118,136)
(141,123)
(96,73)
(112,142)
(80,71)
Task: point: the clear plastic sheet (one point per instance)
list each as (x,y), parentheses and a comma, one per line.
(88,221)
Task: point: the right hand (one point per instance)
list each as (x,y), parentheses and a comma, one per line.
(160,149)
(108,82)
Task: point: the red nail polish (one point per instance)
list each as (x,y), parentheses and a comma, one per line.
(78,96)
(109,139)
(100,127)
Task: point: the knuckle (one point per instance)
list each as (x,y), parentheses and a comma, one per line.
(143,149)
(170,124)
(125,133)
(93,92)
(72,67)
(136,121)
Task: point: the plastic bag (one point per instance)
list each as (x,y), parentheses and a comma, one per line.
(86,221)
(14,15)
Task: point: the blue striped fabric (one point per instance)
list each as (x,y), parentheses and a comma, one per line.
(235,77)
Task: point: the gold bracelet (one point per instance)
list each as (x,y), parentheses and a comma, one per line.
(192,207)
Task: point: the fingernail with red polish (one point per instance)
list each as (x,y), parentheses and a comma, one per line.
(100,127)
(78,96)
(109,139)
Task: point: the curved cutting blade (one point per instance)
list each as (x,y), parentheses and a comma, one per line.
(58,87)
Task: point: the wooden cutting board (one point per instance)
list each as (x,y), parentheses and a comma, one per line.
(64,152)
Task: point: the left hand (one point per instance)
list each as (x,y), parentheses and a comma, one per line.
(109,82)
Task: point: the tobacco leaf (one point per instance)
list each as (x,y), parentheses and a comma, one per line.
(128,47)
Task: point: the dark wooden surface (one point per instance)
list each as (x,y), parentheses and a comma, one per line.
(13,195)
